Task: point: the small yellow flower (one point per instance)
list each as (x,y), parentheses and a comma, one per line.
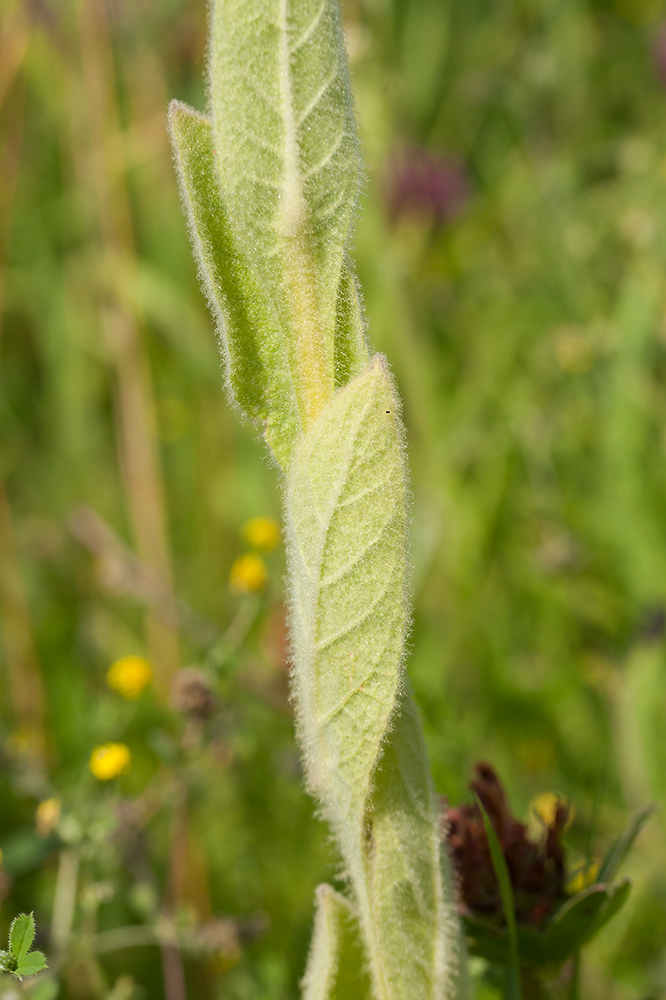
(129,676)
(262,533)
(47,816)
(109,760)
(248,574)
(583,878)
(545,806)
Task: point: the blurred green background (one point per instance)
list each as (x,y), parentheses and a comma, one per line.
(511,248)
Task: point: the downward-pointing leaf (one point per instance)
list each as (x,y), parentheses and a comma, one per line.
(258,365)
(336,964)
(21,935)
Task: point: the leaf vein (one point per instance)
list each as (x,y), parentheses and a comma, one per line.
(310,30)
(309,108)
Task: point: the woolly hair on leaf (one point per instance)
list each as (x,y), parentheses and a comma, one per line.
(345,514)
(336,968)
(346,518)
(288,162)
(257,362)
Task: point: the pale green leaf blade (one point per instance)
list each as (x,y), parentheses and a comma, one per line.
(351,349)
(336,968)
(21,935)
(346,526)
(257,361)
(288,156)
(405,894)
(31,964)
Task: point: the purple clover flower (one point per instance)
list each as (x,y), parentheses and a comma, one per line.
(426,186)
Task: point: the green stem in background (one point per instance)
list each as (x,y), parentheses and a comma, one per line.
(64,900)
(574,982)
(269,184)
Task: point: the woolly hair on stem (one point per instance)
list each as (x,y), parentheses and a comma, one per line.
(269,182)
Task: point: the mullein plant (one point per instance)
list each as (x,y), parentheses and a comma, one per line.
(270,182)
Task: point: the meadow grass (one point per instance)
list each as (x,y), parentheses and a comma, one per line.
(527,330)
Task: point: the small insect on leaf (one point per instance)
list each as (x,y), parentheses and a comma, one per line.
(21,935)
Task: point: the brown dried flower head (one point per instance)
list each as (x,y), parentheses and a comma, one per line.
(537,868)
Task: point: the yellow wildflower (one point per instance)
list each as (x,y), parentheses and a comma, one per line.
(545,806)
(262,533)
(584,877)
(248,574)
(109,760)
(47,816)
(129,676)
(543,813)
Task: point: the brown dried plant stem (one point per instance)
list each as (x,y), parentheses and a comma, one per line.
(26,687)
(134,402)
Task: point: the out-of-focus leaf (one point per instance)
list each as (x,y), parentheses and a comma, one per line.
(574,923)
(44,989)
(617,897)
(514,991)
(487,940)
(623,844)
(25,851)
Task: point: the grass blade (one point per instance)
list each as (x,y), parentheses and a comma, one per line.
(514,991)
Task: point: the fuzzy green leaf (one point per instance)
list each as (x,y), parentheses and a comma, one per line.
(288,159)
(258,367)
(21,935)
(31,964)
(336,964)
(410,918)
(346,524)
(351,350)
(365,757)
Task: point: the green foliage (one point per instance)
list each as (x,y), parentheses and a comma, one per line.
(336,964)
(19,960)
(526,337)
(345,503)
(513,990)
(288,164)
(258,363)
(623,844)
